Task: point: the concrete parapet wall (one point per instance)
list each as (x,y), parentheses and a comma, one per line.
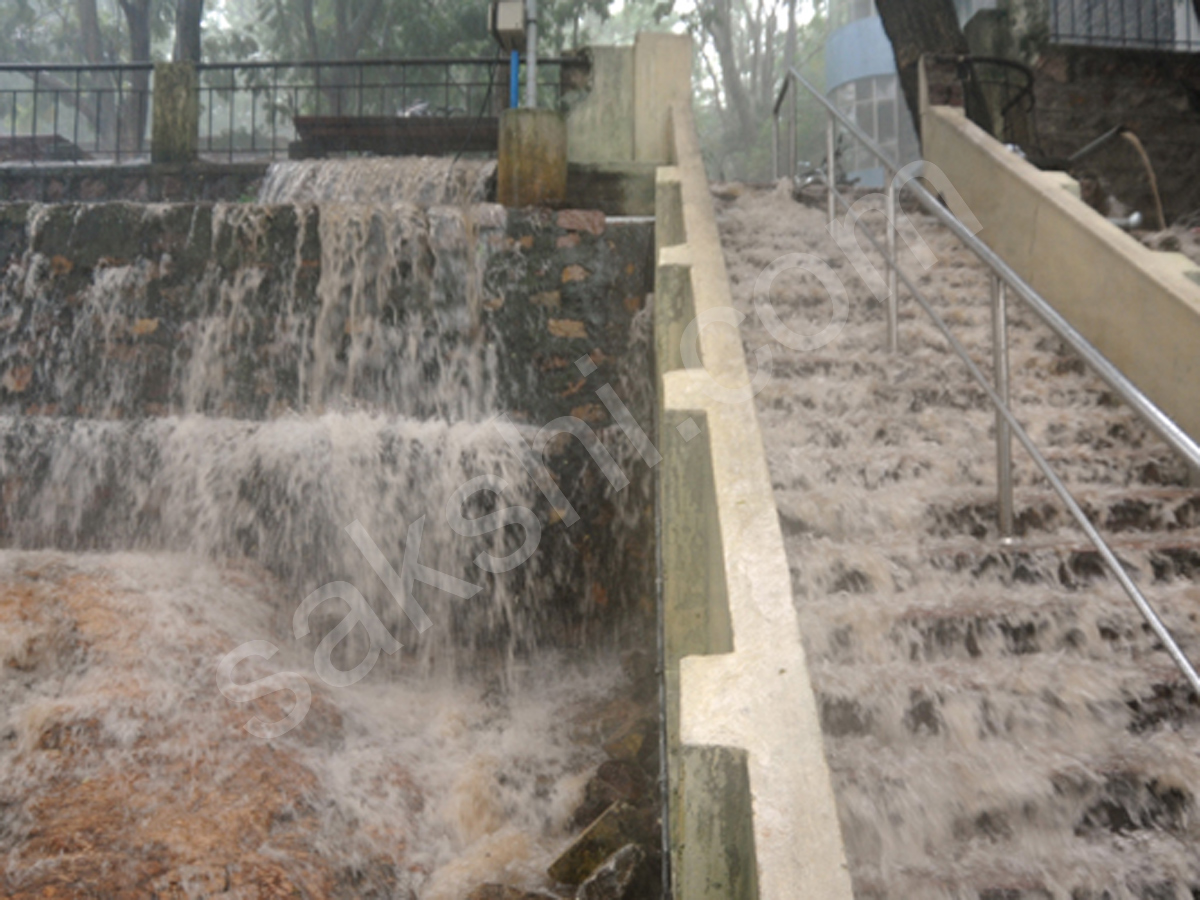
(752,811)
(1139,307)
(624,115)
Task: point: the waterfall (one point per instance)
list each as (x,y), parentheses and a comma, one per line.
(197,405)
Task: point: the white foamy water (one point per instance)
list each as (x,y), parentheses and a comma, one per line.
(423,180)
(998,721)
(220,315)
(401,783)
(144,548)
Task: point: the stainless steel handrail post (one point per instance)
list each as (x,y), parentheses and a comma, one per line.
(775,146)
(1004,482)
(831,167)
(893,299)
(791,138)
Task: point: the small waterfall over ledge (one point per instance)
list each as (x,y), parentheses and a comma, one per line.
(195,401)
(423,180)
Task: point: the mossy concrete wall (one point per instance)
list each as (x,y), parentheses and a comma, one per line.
(532,165)
(751,805)
(600,121)
(1139,307)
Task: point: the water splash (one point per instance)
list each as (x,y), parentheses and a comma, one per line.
(421,180)
(998,720)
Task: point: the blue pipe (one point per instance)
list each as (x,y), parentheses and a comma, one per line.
(514,80)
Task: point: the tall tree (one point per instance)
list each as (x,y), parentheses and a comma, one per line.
(188,14)
(917,27)
(134,112)
(717,18)
(89,31)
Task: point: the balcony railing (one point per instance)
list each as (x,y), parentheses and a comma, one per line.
(1135,24)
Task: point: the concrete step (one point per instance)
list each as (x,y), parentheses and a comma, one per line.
(1098,625)
(890,510)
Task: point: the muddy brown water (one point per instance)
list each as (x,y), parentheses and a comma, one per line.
(998,720)
(143,550)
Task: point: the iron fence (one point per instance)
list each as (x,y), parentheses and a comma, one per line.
(70,113)
(247,110)
(1136,24)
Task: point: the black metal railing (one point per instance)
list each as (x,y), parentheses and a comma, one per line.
(70,113)
(1136,24)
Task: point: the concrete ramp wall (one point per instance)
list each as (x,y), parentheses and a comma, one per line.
(1139,307)
(752,811)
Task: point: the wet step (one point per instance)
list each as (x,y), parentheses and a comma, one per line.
(852,630)
(1079,707)
(891,508)
(1037,822)
(962,567)
(861,422)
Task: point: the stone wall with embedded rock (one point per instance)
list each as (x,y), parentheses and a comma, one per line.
(125,309)
(1082,92)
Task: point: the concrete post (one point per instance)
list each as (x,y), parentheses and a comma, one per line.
(175,137)
(532,168)
(662,76)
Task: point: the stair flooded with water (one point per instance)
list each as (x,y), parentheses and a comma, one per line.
(286,458)
(999,721)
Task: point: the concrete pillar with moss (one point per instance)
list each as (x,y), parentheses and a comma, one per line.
(175,135)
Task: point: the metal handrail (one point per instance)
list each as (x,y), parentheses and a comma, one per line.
(373,63)
(1007,426)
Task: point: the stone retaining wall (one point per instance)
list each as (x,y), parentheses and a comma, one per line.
(100,294)
(147,183)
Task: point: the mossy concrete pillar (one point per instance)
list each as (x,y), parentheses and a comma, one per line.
(532,169)
(175,136)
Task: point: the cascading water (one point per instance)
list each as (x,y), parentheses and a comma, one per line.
(423,180)
(187,437)
(999,722)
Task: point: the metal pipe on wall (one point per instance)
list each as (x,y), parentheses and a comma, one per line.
(514,80)
(531,58)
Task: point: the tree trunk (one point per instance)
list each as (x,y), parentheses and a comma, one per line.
(89,31)
(135,109)
(188,14)
(352,31)
(720,26)
(768,79)
(916,27)
(789,47)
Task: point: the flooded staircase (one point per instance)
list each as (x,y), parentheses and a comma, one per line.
(999,720)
